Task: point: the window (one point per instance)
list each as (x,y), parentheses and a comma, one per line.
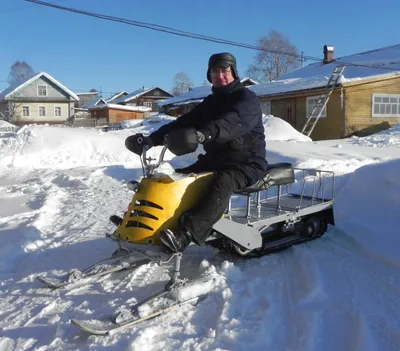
(266,107)
(312,102)
(25,111)
(42,111)
(385,105)
(148,104)
(57,111)
(42,90)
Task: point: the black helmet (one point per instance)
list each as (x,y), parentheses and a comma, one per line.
(224,59)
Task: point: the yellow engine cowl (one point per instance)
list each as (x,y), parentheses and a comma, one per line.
(158,204)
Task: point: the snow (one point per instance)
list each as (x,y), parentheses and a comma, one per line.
(383,62)
(58,186)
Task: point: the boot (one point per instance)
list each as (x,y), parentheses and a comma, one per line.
(176,242)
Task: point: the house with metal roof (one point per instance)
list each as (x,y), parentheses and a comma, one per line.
(364,99)
(39,98)
(144,97)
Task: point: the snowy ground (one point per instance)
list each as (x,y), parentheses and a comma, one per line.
(58,186)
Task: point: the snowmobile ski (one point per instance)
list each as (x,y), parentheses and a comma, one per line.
(103,328)
(116,263)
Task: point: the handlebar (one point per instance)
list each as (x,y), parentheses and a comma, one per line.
(150,168)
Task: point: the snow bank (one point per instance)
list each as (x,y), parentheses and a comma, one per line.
(278,129)
(389,137)
(369,206)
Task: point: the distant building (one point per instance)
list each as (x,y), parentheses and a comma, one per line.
(37,99)
(144,97)
(114,113)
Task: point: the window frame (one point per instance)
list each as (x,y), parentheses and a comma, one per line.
(385,104)
(55,113)
(44,109)
(23,111)
(41,85)
(324,113)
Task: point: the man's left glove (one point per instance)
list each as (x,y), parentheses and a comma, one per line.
(137,142)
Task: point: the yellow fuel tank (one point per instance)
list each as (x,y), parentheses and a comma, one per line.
(158,204)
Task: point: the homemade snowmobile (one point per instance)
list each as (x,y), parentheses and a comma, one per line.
(288,206)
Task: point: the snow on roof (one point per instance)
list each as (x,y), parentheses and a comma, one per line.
(94,102)
(314,76)
(199,92)
(131,96)
(5,94)
(117,96)
(386,62)
(121,107)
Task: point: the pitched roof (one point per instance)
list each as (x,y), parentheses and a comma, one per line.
(5,94)
(383,62)
(96,101)
(117,96)
(135,94)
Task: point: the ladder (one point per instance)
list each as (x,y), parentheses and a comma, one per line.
(311,121)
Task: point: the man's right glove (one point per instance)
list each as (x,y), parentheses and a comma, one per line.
(137,142)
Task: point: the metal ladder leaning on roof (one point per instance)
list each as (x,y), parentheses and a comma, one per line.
(322,101)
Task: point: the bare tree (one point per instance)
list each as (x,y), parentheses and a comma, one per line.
(12,112)
(19,71)
(181,83)
(280,57)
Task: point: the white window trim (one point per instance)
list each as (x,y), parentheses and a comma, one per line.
(29,111)
(324,113)
(55,108)
(41,85)
(148,104)
(44,107)
(389,115)
(266,107)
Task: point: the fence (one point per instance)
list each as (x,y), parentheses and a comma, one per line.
(89,122)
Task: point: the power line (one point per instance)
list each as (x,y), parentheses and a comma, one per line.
(173,31)
(170,30)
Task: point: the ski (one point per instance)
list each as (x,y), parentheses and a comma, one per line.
(110,265)
(97,327)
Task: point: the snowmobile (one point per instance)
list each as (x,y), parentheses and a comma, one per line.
(287,206)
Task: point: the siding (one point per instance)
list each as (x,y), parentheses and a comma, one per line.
(50,117)
(359,106)
(330,127)
(53,91)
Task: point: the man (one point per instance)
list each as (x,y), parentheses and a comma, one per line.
(228,123)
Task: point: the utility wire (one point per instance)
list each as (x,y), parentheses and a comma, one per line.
(170,30)
(173,31)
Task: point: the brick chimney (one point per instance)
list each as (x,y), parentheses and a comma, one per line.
(328,53)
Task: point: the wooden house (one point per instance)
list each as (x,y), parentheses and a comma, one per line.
(37,99)
(143,97)
(366,98)
(114,113)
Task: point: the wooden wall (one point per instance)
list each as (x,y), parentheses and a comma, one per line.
(116,116)
(359,120)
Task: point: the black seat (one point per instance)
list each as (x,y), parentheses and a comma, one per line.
(277,174)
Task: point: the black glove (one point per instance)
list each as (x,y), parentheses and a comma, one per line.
(137,142)
(182,141)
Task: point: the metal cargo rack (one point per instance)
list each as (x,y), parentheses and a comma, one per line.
(311,192)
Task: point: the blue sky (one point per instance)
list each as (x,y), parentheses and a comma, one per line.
(84,53)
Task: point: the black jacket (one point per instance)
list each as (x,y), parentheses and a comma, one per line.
(231,120)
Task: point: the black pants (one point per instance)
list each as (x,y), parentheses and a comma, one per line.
(200,219)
